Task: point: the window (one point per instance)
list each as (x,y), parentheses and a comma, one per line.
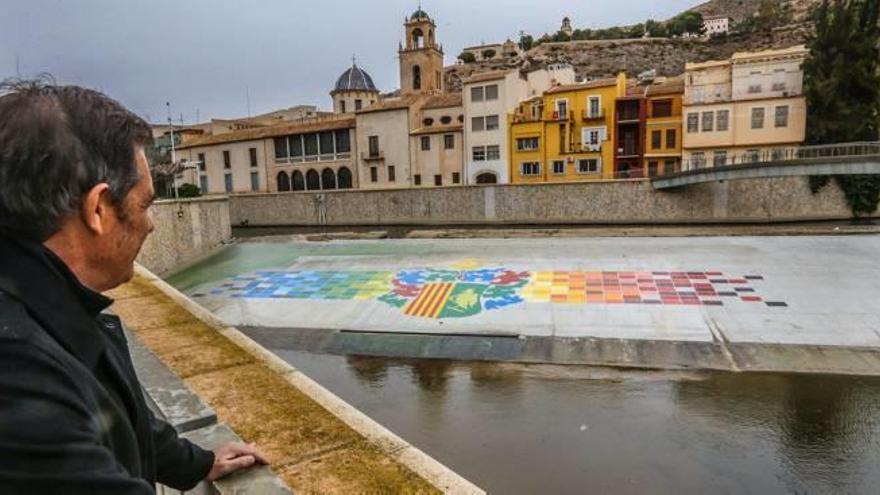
(693,122)
(708,121)
(698,160)
(255,181)
(719,159)
(478,124)
(342,106)
(326,140)
(656,140)
(449,141)
(652,169)
(479,153)
(755,82)
(493,152)
(723,120)
(492,92)
(456,178)
(203,184)
(558,167)
(446,120)
(530,168)
(492,123)
(426,143)
(671,139)
(428,122)
(438,180)
(588,166)
(374,146)
(343,141)
(228,182)
(374,174)
(417,179)
(417,77)
(252,152)
(296,146)
(594,107)
(391,177)
(757,118)
(782,116)
(358,104)
(662,108)
(227,161)
(311,144)
(593,137)
(281,151)
(203,165)
(477,94)
(753,156)
(562,109)
(527,144)
(779,80)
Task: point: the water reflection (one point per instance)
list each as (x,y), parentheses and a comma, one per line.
(561,429)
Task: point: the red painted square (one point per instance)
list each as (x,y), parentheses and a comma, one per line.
(751,299)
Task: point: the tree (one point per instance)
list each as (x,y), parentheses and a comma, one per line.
(655,29)
(842,87)
(489,53)
(526,41)
(467,57)
(689,22)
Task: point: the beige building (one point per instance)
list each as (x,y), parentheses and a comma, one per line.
(383,131)
(747,109)
(716,25)
(489,99)
(437,145)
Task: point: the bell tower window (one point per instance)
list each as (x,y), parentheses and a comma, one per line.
(417,77)
(418,38)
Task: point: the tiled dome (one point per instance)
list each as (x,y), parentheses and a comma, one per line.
(419,14)
(355,79)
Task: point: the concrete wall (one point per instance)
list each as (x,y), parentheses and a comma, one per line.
(624,202)
(185,231)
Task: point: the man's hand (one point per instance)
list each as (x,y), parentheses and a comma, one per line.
(232,457)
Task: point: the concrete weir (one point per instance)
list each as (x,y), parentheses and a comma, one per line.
(316,442)
(618,353)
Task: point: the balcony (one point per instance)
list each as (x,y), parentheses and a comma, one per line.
(372,156)
(587,115)
(521,118)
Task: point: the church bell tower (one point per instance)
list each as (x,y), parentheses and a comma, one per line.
(421,58)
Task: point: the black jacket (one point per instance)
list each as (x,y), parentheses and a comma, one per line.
(72,414)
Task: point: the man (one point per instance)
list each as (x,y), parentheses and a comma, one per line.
(75,196)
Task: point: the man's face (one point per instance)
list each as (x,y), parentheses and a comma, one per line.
(129,228)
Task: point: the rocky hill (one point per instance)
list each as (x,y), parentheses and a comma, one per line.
(666,55)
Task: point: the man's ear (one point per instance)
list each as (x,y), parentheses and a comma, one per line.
(96,208)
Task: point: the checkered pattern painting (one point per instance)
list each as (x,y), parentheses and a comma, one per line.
(666,288)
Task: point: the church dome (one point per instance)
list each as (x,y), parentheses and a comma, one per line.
(355,79)
(419,14)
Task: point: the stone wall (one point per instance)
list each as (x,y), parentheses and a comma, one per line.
(623,202)
(186,230)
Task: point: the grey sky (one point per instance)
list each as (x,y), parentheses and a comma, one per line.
(206,54)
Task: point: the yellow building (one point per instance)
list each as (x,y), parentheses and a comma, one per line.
(663,126)
(566,134)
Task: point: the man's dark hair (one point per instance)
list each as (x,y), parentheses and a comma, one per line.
(56,144)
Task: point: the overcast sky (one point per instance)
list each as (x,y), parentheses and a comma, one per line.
(208,55)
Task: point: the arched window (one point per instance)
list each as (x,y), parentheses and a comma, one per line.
(418,38)
(487,178)
(431,37)
(283,182)
(345,178)
(299,183)
(328,179)
(417,77)
(313,180)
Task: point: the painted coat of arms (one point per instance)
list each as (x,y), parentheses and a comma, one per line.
(431,293)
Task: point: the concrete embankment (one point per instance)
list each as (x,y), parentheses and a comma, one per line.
(316,442)
(718,355)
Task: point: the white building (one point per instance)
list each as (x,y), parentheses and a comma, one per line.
(716,25)
(488,99)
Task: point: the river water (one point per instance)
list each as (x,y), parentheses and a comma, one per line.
(563,429)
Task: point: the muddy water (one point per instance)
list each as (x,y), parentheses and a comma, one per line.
(555,429)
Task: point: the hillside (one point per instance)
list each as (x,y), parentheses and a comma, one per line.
(668,56)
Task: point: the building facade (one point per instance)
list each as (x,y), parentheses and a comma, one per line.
(716,25)
(566,135)
(750,108)
(489,100)
(437,144)
(663,140)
